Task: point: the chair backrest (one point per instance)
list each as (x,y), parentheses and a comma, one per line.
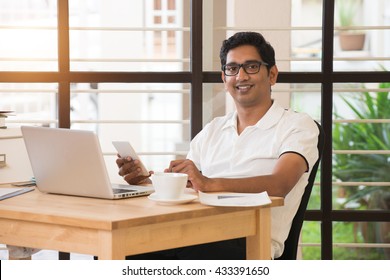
(291,243)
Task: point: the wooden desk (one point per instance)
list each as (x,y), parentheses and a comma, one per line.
(113,229)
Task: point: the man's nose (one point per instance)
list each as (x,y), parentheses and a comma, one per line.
(242,75)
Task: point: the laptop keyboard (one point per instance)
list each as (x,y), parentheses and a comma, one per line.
(116,191)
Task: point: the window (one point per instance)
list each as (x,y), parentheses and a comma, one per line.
(149,72)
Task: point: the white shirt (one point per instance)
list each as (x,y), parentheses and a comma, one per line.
(219,152)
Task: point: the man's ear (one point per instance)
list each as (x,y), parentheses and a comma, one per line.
(223,77)
(273,74)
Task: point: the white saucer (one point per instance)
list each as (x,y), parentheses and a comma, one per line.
(185,198)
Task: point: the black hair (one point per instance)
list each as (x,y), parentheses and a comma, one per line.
(265,50)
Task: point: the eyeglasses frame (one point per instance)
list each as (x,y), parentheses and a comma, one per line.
(260,63)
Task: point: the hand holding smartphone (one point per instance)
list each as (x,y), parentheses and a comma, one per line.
(125,149)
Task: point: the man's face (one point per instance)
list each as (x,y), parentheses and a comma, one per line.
(249,89)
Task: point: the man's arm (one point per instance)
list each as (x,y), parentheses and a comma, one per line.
(286,173)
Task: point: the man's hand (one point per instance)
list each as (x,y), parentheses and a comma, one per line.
(195,178)
(131,171)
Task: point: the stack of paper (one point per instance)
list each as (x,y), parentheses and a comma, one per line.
(234,199)
(11,192)
(3,116)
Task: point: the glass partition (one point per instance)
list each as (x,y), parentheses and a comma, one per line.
(137,35)
(29,35)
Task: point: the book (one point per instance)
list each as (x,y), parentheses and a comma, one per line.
(2,121)
(3,116)
(11,192)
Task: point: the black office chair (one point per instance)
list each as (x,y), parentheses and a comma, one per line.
(291,243)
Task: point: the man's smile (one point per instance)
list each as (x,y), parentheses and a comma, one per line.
(244,88)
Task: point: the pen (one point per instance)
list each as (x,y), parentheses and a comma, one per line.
(228,196)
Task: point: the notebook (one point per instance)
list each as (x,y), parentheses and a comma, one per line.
(71,162)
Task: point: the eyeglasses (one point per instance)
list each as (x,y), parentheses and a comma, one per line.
(252,67)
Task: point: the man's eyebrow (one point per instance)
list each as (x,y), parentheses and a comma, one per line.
(246,61)
(253,60)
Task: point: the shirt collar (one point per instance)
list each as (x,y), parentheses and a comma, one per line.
(271,118)
(232,121)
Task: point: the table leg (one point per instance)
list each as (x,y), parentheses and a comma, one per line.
(63,256)
(258,246)
(110,246)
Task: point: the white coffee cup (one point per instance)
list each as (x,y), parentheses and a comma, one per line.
(169,185)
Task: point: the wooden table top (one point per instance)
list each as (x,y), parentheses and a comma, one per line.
(102,213)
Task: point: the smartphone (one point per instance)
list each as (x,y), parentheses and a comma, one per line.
(125,149)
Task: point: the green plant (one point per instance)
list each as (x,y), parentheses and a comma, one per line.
(364,136)
(346,12)
(350,38)
(370,167)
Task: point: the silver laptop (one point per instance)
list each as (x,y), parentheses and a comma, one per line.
(71,162)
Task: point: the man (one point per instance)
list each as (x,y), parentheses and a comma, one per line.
(259,147)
